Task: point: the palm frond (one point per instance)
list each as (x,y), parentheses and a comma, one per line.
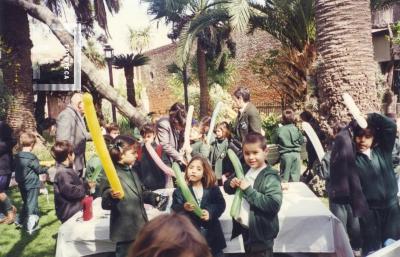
(292,22)
(124,61)
(185,44)
(239,12)
(113,5)
(100,14)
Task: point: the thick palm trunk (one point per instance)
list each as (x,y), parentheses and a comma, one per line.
(346,63)
(18,68)
(202,73)
(130,86)
(43,14)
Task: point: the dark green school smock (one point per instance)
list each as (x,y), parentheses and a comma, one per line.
(290,140)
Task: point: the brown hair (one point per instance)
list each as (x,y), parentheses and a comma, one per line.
(177,115)
(224,126)
(169,235)
(208,180)
(120,145)
(253,138)
(111,127)
(60,150)
(205,123)
(288,116)
(27,139)
(148,128)
(242,92)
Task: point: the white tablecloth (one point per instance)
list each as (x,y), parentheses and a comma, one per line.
(392,250)
(306,226)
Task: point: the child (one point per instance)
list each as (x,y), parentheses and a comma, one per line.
(112,130)
(179,238)
(127,214)
(290,140)
(219,148)
(149,173)
(339,204)
(199,147)
(374,166)
(69,188)
(262,194)
(27,171)
(94,167)
(201,180)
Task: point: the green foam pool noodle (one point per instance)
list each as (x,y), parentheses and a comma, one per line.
(180,180)
(237,200)
(236,204)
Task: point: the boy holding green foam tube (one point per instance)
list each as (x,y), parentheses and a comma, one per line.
(262,196)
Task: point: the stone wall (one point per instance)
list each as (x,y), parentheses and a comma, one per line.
(248,46)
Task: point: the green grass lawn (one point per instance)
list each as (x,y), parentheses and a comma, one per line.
(42,243)
(16,242)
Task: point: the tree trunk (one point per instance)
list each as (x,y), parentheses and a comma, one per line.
(185,86)
(130,86)
(202,73)
(344,43)
(43,14)
(18,68)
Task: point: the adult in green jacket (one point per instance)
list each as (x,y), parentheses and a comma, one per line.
(378,181)
(248,119)
(290,140)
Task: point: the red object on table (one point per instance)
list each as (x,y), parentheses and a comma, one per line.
(87,208)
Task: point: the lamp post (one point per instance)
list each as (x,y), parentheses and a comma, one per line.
(109,56)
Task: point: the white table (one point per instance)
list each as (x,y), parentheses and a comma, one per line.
(306,226)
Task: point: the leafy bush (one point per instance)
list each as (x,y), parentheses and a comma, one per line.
(217,94)
(269,124)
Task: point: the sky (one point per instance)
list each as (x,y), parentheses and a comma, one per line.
(132,14)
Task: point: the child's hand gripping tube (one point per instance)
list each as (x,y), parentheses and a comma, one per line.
(237,200)
(354,111)
(180,180)
(100,144)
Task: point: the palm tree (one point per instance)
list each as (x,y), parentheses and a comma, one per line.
(198,23)
(183,75)
(292,23)
(139,39)
(17,68)
(18,71)
(128,62)
(346,61)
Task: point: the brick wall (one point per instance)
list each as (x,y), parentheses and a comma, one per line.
(248,46)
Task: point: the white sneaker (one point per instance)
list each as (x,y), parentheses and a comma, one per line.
(32,224)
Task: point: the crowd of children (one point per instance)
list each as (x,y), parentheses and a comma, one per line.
(361,184)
